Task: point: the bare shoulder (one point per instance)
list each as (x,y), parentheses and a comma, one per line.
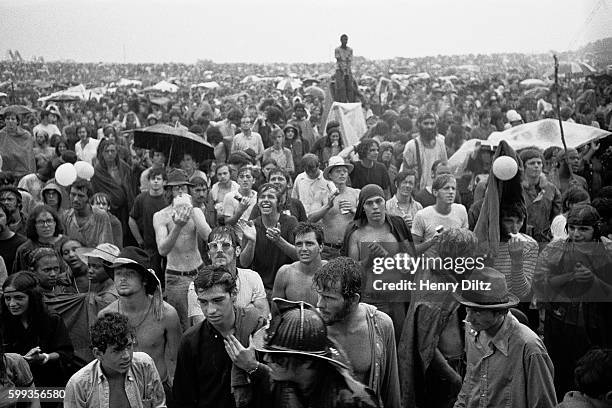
(169,312)
(112,308)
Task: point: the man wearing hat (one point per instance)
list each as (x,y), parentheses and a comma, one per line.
(507,363)
(177,228)
(155,323)
(542,198)
(100,273)
(340,208)
(421,152)
(305,366)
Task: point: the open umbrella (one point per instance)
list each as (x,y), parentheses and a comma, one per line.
(16,110)
(289,84)
(315,91)
(173,141)
(574,68)
(532,83)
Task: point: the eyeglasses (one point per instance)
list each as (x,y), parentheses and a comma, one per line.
(215,246)
(41,223)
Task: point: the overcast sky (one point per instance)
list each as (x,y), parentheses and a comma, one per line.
(293,31)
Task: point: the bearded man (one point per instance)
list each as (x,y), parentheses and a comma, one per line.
(421,153)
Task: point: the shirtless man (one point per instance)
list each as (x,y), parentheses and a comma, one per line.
(340,209)
(155,323)
(294,281)
(365,333)
(177,228)
(374,234)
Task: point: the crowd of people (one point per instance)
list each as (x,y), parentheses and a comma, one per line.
(240,280)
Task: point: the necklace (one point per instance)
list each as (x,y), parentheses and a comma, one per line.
(143,318)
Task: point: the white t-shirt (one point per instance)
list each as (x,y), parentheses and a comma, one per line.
(250,288)
(87,153)
(428,219)
(230,204)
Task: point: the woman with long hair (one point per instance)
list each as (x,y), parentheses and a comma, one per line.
(44,229)
(114,177)
(35,332)
(329,145)
(298,146)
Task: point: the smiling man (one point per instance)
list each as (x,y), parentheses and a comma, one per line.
(294,281)
(118,377)
(268,240)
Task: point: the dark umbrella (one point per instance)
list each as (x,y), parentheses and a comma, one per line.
(173,141)
(16,110)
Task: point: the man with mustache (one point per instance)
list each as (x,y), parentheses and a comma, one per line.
(421,153)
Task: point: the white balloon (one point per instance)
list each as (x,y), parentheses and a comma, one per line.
(65,174)
(505,168)
(84,170)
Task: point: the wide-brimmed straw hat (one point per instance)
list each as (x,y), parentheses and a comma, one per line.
(105,251)
(491,294)
(299,330)
(336,161)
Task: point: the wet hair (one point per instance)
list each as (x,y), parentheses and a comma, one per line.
(222,165)
(593,373)
(513,210)
(441,181)
(81,184)
(153,151)
(363,148)
(269,186)
(402,175)
(457,243)
(15,192)
(245,169)
(28,283)
(31,232)
(100,198)
(436,164)
(306,227)
(585,215)
(210,276)
(157,171)
(40,253)
(112,329)
(310,160)
(573,195)
(342,272)
(278,170)
(224,231)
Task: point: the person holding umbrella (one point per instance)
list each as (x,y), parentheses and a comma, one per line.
(16,143)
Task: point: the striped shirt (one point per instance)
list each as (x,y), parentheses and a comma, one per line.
(518,283)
